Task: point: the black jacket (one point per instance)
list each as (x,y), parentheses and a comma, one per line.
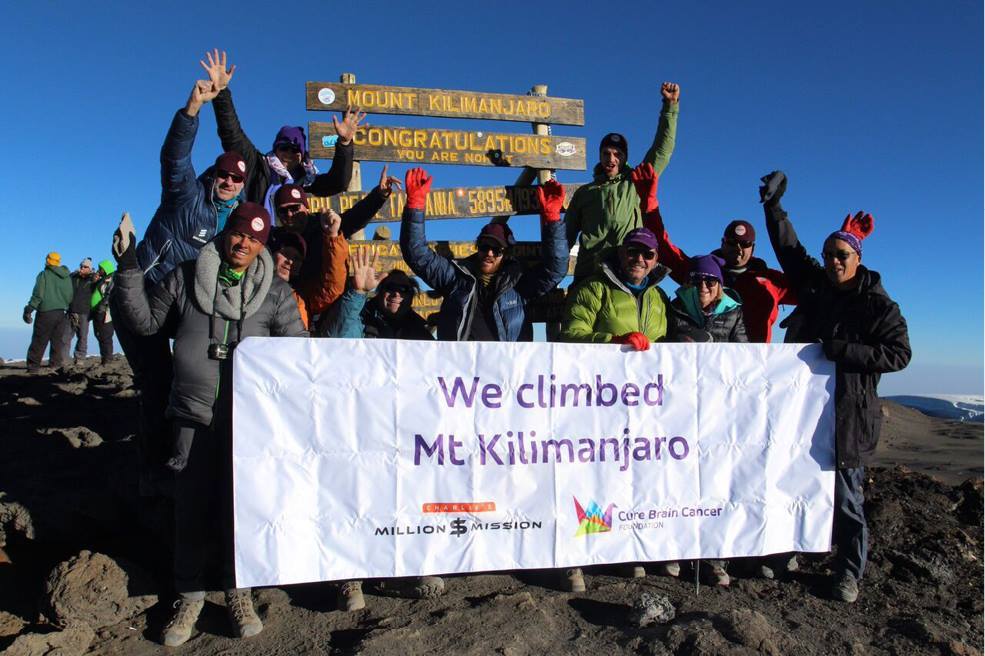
(82,293)
(409,325)
(728,326)
(862,330)
(260,176)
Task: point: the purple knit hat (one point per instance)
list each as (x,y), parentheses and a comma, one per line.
(707,266)
(294,135)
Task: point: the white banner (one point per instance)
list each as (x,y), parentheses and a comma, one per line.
(374,458)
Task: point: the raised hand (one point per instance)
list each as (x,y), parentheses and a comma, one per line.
(350,123)
(773,187)
(645,180)
(362,271)
(219,75)
(550,195)
(388,182)
(125,244)
(670,91)
(331,222)
(202,92)
(418,186)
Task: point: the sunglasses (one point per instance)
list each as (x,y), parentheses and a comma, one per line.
(740,243)
(490,248)
(403,290)
(288,210)
(222,175)
(841,256)
(646,253)
(710,283)
(288,147)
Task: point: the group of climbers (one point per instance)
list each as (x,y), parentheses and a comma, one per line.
(237,252)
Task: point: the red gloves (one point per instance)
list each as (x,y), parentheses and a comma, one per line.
(418,185)
(645,180)
(550,195)
(637,341)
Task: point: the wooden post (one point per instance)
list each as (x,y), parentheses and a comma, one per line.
(553,328)
(356,182)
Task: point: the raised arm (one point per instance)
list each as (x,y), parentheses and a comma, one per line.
(800,267)
(545,276)
(338,177)
(178,182)
(356,217)
(663,142)
(144,313)
(645,180)
(434,270)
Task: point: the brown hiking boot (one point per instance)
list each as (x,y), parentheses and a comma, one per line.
(411,587)
(571,580)
(713,573)
(631,571)
(179,629)
(670,568)
(239,605)
(350,596)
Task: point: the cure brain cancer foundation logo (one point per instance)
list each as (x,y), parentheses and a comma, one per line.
(592,519)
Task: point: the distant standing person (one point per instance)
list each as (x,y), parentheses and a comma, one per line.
(83,284)
(50,298)
(602,212)
(843,305)
(102,320)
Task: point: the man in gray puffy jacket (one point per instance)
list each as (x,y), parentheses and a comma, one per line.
(228,293)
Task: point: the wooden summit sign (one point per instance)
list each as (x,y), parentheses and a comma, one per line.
(549,308)
(385,143)
(457,203)
(376,99)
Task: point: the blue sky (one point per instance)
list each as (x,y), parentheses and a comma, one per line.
(865,105)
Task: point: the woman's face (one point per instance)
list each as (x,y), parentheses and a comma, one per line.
(708,290)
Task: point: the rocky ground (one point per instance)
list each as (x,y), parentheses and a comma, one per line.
(83,559)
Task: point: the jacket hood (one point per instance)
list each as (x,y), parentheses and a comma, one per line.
(61,271)
(232,303)
(611,266)
(509,271)
(870,282)
(107,267)
(601,177)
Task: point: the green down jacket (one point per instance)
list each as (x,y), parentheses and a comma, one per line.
(605,210)
(53,289)
(602,307)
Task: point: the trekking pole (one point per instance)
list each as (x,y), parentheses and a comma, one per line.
(697,582)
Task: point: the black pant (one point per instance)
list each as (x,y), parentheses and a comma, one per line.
(102,325)
(153,369)
(79,327)
(203,510)
(51,327)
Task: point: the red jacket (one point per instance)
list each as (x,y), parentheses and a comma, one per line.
(761,289)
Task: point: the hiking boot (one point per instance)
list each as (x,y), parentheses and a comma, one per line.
(670,568)
(350,596)
(572,580)
(239,605)
(179,629)
(411,587)
(631,571)
(845,588)
(713,573)
(770,568)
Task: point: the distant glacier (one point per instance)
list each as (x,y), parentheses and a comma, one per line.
(955,407)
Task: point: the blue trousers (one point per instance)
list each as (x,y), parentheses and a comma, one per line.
(850,532)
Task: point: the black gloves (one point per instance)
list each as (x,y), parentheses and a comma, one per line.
(28,311)
(125,244)
(774,185)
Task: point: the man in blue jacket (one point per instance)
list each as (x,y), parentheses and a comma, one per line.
(485,294)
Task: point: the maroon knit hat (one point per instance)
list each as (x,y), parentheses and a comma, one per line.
(231,162)
(740,230)
(496,232)
(290,194)
(250,219)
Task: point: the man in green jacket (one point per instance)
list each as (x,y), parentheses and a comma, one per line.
(51,297)
(603,211)
(622,303)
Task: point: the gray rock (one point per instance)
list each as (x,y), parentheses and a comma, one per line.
(74,640)
(652,608)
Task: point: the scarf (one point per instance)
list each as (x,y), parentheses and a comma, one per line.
(231,303)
